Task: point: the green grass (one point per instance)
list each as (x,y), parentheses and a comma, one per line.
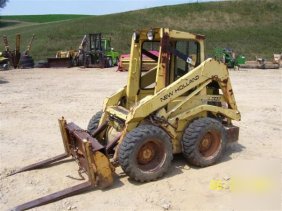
(41,18)
(252,28)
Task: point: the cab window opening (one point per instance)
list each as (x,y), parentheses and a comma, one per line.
(149,61)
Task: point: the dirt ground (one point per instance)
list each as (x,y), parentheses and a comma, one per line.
(32,100)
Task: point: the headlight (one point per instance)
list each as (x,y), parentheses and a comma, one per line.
(150,34)
(136,36)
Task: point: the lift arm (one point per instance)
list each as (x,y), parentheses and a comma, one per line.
(208,70)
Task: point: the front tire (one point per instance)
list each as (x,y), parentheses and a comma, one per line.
(204,142)
(94,122)
(145,154)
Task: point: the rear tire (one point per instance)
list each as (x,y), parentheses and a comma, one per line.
(110,62)
(26,62)
(94,122)
(204,142)
(117,61)
(145,154)
(86,61)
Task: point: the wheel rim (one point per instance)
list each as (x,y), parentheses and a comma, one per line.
(151,155)
(210,144)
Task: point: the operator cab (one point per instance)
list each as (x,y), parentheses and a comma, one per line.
(172,53)
(186,56)
(97,43)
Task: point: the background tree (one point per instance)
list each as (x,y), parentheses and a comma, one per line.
(3,3)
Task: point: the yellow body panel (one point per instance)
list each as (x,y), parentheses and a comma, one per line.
(176,101)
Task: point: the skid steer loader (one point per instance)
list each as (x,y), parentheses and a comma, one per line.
(184,104)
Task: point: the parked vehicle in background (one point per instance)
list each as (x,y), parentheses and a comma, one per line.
(96,51)
(229,57)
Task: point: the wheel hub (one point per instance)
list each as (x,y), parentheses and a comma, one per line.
(206,142)
(210,144)
(151,155)
(146,153)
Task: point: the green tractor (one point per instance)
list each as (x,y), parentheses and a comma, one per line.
(228,57)
(96,51)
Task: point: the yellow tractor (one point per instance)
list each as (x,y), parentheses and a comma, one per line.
(185,104)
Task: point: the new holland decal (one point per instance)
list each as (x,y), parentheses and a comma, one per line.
(179,88)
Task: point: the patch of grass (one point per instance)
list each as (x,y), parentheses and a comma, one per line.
(8,23)
(41,18)
(252,28)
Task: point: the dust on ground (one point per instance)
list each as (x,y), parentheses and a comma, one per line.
(31,101)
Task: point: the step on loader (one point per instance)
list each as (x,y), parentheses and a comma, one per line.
(185,104)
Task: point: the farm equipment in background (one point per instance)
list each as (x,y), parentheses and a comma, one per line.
(16,59)
(64,59)
(14,55)
(261,63)
(71,54)
(93,51)
(26,61)
(96,51)
(68,58)
(66,54)
(184,104)
(228,57)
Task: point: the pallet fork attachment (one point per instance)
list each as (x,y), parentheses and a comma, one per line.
(91,158)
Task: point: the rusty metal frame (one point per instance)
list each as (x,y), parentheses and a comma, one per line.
(83,148)
(55,196)
(59,62)
(14,55)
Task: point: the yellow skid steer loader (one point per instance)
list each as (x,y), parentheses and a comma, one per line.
(185,104)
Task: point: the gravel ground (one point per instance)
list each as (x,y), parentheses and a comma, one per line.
(32,100)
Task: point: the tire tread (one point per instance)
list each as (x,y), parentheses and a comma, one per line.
(129,143)
(191,137)
(94,122)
